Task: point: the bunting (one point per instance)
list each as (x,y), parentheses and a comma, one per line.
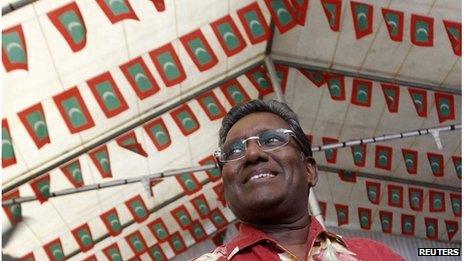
(182,216)
(219,190)
(282,74)
(13,212)
(416,199)
(316,77)
(129,141)
(199,50)
(73,110)
(14,49)
(456,204)
(259,78)
(54,250)
(436,164)
(234,92)
(159,230)
(436,201)
(101,159)
(330,154)
(342,214)
(41,187)
(197,231)
(158,133)
(70,23)
(159,5)
(140,78)
(185,119)
(214,174)
(452,228)
(362,18)
(457,165)
(112,252)
(211,105)
(83,236)
(364,215)
(386,221)
(73,173)
(444,103)
(336,85)
(395,196)
(410,160)
(107,94)
(218,219)
(201,205)
(156,253)
(300,8)
(359,155)
(348,176)
(8,154)
(111,220)
(421,30)
(189,183)
(431,228)
(254,23)
(117,10)
(33,118)
(136,242)
(137,208)
(219,238)
(228,35)
(332,10)
(408,225)
(28,257)
(419,99)
(453,29)
(383,157)
(361,92)
(391,93)
(177,243)
(394,21)
(168,65)
(282,14)
(373,192)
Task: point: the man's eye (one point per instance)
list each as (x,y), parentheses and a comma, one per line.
(271,140)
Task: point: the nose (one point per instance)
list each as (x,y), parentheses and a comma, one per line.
(254,153)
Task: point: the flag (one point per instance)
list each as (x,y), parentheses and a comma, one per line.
(259,78)
(408,224)
(137,208)
(421,30)
(140,78)
(330,154)
(451,228)
(391,93)
(54,250)
(73,110)
(362,18)
(219,238)
(101,159)
(136,242)
(359,155)
(364,215)
(316,77)
(117,10)
(14,49)
(234,92)
(168,65)
(383,157)
(177,243)
(112,252)
(211,105)
(254,23)
(182,216)
(456,204)
(219,190)
(159,230)
(436,164)
(197,231)
(159,5)
(361,92)
(70,23)
(332,10)
(436,201)
(342,214)
(28,257)
(444,103)
(201,205)
(431,228)
(129,141)
(33,118)
(73,173)
(199,50)
(282,75)
(185,119)
(228,35)
(214,174)
(111,220)
(453,29)
(282,14)
(156,253)
(348,176)
(83,237)
(419,98)
(416,199)
(107,94)
(386,221)
(13,212)
(410,160)
(395,195)
(41,187)
(300,8)
(457,165)
(8,155)
(336,85)
(218,219)
(158,133)
(373,192)
(394,21)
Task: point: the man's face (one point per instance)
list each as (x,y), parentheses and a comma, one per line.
(276,197)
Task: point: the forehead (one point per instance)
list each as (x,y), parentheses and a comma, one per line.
(254,123)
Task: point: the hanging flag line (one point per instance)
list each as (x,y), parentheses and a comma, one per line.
(169,173)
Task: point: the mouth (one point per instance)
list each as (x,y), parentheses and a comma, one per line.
(260,175)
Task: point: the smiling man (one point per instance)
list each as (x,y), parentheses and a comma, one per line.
(267,169)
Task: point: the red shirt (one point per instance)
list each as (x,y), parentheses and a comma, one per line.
(253,244)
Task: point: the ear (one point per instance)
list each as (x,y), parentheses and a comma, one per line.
(311,171)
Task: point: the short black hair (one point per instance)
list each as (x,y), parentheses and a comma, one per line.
(278,108)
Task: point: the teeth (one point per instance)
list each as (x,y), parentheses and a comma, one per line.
(263,175)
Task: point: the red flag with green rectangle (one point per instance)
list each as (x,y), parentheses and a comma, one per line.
(185,119)
(419,99)
(457,165)
(14,50)
(33,118)
(214,174)
(362,18)
(83,236)
(182,216)
(13,211)
(452,228)
(444,103)
(364,215)
(156,253)
(259,78)
(112,252)
(117,10)
(431,228)
(342,214)
(330,154)
(336,85)
(129,141)
(201,205)
(421,30)
(199,50)
(407,224)
(197,231)
(112,223)
(386,221)
(316,77)
(168,65)
(383,157)
(416,199)
(359,155)
(361,92)
(332,10)
(254,23)
(394,21)
(73,173)
(456,204)
(373,192)
(218,219)
(189,183)
(234,92)
(101,159)
(436,162)
(395,195)
(69,22)
(228,35)
(41,187)
(391,93)
(8,154)
(107,94)
(159,230)
(54,250)
(453,29)
(158,133)
(136,242)
(300,7)
(177,243)
(211,105)
(73,110)
(140,78)
(282,14)
(436,201)
(410,160)
(137,208)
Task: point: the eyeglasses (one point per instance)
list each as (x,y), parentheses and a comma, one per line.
(268,140)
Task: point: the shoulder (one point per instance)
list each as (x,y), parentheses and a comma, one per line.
(220,253)
(368,249)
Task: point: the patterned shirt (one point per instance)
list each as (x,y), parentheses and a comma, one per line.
(253,244)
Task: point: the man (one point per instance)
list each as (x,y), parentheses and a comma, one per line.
(267,170)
